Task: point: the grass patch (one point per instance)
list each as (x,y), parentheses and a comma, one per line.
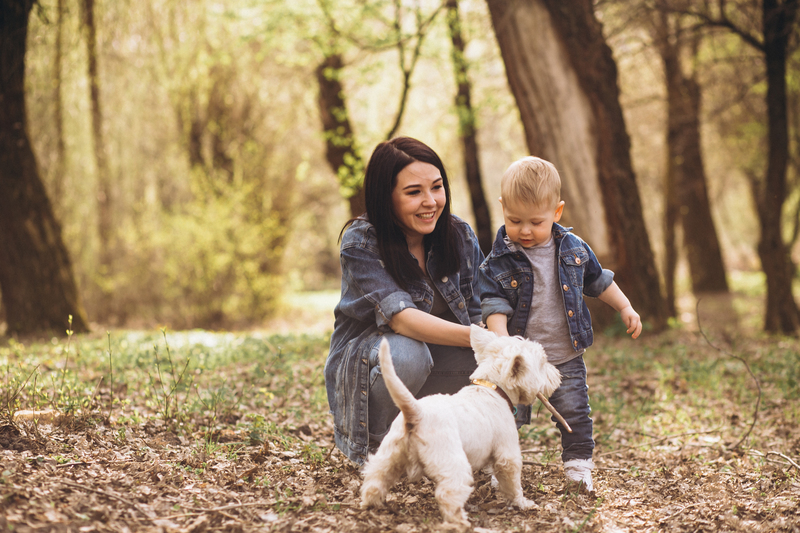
(189,381)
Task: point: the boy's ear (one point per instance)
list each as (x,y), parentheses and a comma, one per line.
(559,211)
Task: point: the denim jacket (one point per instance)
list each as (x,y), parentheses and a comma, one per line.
(370,298)
(506,284)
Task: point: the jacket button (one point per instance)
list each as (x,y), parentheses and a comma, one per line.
(566,287)
(461,305)
(577,260)
(575,343)
(570,313)
(444,279)
(364,392)
(513,283)
(364,359)
(363,425)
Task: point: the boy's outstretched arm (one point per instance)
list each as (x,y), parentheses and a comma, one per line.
(498,323)
(614,297)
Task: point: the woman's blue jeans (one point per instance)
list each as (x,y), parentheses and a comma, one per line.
(425,369)
(571,400)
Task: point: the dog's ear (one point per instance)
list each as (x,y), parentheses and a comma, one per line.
(479,339)
(514,368)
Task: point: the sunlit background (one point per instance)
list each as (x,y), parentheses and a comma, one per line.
(223,205)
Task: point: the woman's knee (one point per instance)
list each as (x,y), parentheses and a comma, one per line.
(411,358)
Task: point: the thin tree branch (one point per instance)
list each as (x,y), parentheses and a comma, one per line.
(747,366)
(422,26)
(722,21)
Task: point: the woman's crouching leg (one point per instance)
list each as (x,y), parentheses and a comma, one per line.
(412,363)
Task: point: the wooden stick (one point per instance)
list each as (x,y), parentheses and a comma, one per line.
(553,410)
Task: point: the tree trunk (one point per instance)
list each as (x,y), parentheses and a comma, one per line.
(685,172)
(61,151)
(564,79)
(340,146)
(671,212)
(38,287)
(104,221)
(782,313)
(467,131)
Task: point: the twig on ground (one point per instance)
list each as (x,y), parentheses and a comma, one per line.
(785,457)
(747,366)
(679,511)
(108,495)
(534,463)
(194,511)
(74,463)
(782,456)
(688,433)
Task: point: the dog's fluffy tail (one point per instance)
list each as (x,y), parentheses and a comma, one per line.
(402,397)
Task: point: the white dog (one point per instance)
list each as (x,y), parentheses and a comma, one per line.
(447,438)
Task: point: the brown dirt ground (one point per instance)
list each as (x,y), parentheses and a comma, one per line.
(104,477)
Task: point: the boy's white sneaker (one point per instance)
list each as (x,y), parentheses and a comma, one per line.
(579,473)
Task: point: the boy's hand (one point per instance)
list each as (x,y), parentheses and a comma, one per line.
(631,320)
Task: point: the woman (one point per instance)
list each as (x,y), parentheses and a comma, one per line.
(409,274)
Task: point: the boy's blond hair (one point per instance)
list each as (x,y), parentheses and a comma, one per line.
(531,180)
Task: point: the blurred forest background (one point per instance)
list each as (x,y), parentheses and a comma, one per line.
(201,157)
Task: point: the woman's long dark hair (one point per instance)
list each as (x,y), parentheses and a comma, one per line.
(388,159)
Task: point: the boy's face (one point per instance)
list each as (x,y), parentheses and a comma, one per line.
(528,224)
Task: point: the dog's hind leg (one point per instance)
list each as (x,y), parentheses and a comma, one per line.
(382,471)
(453,479)
(508,472)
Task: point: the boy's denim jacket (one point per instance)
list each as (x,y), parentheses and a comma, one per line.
(370,298)
(506,284)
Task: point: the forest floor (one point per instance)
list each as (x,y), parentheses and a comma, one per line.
(198,431)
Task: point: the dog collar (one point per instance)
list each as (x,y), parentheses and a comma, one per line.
(494,387)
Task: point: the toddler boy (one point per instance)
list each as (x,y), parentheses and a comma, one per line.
(533,283)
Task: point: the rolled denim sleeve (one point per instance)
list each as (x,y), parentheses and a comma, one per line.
(369,293)
(493,300)
(390,306)
(596,279)
(494,306)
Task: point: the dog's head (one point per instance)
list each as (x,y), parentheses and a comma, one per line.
(517,365)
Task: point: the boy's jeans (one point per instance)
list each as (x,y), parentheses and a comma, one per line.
(571,399)
(424,368)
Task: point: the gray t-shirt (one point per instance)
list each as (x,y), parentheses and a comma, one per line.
(547,320)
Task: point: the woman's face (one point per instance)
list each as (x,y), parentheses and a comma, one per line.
(418,199)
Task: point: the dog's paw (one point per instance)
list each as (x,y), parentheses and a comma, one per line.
(371,497)
(525,504)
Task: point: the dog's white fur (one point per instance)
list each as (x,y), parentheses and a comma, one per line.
(448,437)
